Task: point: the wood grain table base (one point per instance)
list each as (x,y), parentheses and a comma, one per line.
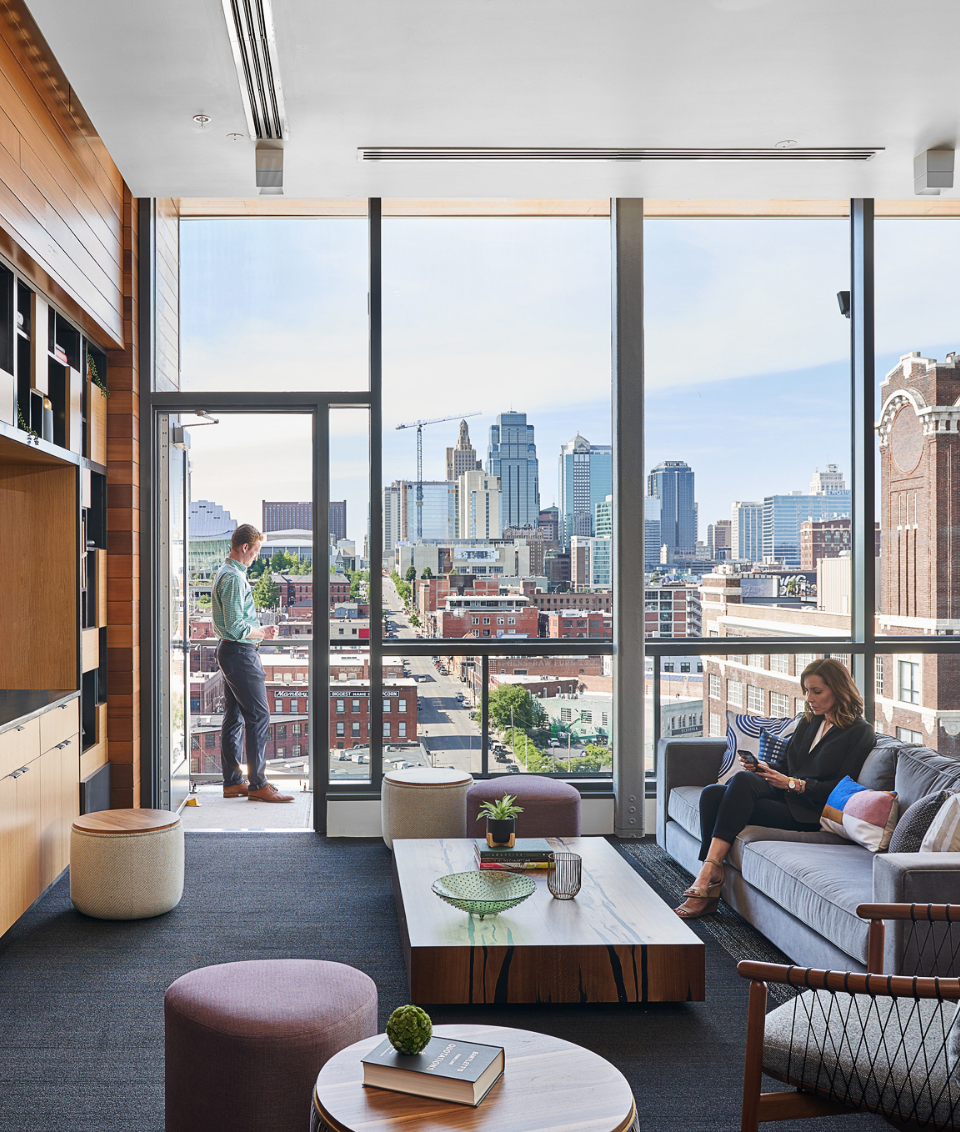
(617,942)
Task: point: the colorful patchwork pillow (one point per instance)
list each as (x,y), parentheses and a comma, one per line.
(866,817)
(743,734)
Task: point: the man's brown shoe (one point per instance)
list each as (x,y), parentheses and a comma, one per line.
(239,790)
(268,793)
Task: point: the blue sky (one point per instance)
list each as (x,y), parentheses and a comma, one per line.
(746,352)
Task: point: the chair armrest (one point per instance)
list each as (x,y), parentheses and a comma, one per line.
(912,878)
(693,761)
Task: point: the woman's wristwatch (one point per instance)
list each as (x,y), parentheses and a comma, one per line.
(793,784)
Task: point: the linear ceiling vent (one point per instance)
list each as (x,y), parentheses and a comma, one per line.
(254,44)
(465,153)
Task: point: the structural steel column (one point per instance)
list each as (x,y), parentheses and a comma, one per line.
(626,234)
(862,447)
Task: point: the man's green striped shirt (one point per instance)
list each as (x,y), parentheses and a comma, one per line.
(234,614)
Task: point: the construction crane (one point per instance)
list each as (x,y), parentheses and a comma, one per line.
(418,425)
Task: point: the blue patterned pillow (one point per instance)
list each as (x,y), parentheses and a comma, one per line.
(773,750)
(743,734)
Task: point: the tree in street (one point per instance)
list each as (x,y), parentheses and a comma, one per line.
(526,711)
(411,574)
(427,572)
(266,593)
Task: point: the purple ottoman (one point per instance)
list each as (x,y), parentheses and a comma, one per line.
(245,1041)
(550,808)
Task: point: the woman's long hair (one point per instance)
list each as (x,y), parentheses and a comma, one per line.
(849,706)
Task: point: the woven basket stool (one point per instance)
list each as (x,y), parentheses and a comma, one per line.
(245,1041)
(550,808)
(423,802)
(126,864)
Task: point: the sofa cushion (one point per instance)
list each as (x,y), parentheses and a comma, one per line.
(879,770)
(819,884)
(765,833)
(684,807)
(921,771)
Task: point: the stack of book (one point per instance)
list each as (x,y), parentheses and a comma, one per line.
(463,1072)
(525,853)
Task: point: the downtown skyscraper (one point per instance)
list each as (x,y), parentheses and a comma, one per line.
(671,481)
(512,456)
(586,479)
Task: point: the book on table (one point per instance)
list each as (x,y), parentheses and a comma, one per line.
(447,1070)
(527,851)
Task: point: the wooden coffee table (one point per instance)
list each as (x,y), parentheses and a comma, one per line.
(546,1083)
(616,942)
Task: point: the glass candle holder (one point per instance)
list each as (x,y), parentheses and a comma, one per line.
(563,880)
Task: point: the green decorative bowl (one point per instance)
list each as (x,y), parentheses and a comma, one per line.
(484,893)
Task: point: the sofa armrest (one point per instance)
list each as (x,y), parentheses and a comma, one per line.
(692,761)
(912,878)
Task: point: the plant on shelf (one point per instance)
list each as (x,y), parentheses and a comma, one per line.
(31,432)
(95,376)
(409,1029)
(501,818)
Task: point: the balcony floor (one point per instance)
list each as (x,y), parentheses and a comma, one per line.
(218,813)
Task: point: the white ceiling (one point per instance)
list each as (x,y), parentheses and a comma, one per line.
(608,73)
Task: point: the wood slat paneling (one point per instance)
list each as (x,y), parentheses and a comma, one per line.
(60,193)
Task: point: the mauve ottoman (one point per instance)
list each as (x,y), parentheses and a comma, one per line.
(550,808)
(245,1041)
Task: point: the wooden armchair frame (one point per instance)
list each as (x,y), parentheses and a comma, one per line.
(760,1107)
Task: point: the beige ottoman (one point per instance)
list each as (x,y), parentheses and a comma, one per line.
(424,802)
(126,864)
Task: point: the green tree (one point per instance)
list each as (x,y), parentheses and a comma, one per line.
(454,570)
(526,711)
(266,593)
(427,572)
(414,621)
(256,569)
(411,573)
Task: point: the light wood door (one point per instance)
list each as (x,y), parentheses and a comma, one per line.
(69,796)
(50,831)
(29,820)
(10,882)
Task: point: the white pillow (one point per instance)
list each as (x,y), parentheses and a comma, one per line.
(943,836)
(743,734)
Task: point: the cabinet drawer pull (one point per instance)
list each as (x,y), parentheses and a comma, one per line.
(67,742)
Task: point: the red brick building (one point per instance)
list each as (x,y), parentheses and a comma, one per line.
(672,611)
(350,712)
(574,623)
(598,600)
(492,615)
(826,538)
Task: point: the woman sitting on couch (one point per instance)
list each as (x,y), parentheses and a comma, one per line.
(830,742)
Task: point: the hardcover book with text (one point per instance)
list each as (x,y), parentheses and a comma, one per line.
(448,1070)
(524,848)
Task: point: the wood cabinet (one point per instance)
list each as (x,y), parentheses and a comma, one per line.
(39,799)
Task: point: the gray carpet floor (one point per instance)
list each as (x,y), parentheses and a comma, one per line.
(81,1000)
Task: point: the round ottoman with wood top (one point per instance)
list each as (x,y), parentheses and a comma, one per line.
(126,864)
(423,802)
(550,808)
(245,1041)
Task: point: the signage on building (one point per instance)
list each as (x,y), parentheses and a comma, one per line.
(475,554)
(352,694)
(289,693)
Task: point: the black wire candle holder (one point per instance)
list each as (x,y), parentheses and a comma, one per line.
(564,878)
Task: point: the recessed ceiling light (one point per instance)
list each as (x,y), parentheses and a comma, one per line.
(201,120)
(788,143)
(236,137)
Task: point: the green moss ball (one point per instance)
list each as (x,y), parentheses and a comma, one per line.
(409,1029)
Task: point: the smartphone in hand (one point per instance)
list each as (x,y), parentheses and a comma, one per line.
(749,758)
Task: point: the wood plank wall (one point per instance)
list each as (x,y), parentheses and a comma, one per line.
(61,194)
(123,534)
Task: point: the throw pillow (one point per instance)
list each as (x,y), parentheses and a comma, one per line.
(743,734)
(773,751)
(943,836)
(915,821)
(866,817)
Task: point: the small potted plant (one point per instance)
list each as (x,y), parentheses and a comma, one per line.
(501,818)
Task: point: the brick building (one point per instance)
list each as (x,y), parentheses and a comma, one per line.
(918,695)
(672,611)
(598,600)
(571,624)
(350,712)
(826,538)
(491,615)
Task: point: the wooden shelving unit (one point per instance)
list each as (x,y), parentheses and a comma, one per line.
(53,601)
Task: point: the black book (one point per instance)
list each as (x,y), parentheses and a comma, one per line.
(523,849)
(449,1070)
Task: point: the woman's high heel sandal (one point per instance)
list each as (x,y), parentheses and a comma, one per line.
(710,895)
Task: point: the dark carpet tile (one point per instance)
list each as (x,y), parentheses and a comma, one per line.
(81,1045)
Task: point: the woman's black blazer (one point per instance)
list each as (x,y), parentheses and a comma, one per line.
(839,753)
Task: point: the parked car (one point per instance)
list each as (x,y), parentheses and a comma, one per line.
(513,769)
(553,743)
(461,697)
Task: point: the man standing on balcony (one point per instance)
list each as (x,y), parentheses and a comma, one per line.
(236,623)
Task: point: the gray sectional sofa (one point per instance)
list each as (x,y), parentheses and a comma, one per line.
(801,890)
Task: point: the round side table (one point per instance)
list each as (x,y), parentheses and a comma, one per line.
(424,801)
(546,1083)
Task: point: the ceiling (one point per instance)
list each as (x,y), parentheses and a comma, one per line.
(532,73)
